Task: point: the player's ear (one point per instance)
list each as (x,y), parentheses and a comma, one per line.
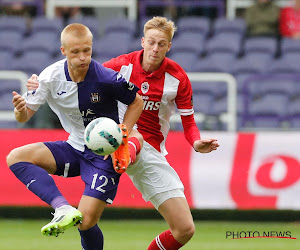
(62,50)
(143,41)
(169,47)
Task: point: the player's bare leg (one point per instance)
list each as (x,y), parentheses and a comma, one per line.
(35,153)
(177,214)
(135,143)
(91,234)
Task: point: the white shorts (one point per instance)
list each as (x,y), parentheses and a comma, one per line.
(153,176)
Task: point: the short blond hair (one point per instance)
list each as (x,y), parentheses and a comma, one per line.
(162,24)
(77,30)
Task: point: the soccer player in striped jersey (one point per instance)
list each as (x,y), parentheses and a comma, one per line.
(78,90)
(163,85)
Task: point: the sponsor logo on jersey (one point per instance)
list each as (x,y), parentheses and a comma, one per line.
(88,112)
(95,97)
(151,105)
(145,87)
(76,114)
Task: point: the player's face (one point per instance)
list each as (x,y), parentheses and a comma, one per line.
(156,44)
(78,52)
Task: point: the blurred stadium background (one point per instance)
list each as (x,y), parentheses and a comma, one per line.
(246,94)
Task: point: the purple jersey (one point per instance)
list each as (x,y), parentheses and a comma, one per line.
(76,104)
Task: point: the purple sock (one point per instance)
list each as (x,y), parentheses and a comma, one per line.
(58,202)
(92,239)
(37,180)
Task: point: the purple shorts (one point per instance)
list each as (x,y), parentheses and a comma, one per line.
(101,180)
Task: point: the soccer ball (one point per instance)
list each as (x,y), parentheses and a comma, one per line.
(103,136)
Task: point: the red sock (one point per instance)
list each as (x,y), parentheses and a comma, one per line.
(134,148)
(164,241)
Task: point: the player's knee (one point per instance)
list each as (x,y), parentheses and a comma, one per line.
(184,233)
(84,226)
(13,157)
(190,231)
(87,222)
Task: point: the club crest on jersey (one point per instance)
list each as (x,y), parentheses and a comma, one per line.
(145,87)
(95,97)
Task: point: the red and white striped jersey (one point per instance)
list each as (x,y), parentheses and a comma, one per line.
(162,91)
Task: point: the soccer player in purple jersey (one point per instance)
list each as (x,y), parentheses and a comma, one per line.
(78,90)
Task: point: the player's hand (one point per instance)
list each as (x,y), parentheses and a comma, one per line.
(32,82)
(206,145)
(19,102)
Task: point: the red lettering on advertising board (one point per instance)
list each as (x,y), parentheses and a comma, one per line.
(240,177)
(263,175)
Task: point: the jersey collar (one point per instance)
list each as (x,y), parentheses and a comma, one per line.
(88,74)
(67,71)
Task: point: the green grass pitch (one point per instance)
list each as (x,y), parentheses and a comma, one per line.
(137,234)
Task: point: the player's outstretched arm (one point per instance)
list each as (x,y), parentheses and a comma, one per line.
(32,82)
(22,112)
(206,145)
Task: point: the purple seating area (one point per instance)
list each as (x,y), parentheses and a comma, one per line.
(211,42)
(271,101)
(266,69)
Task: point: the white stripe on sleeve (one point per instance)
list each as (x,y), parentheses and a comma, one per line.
(160,246)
